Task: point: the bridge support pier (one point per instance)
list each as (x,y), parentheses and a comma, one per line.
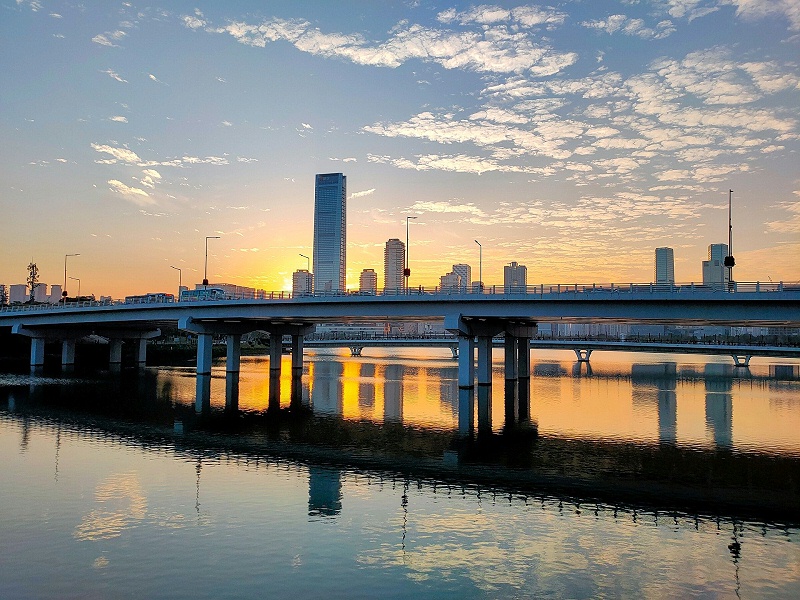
(68,355)
(37,354)
(466,385)
(297,370)
(115,355)
(583,354)
(523,378)
(741,360)
(484,383)
(140,352)
(511,363)
(275,355)
(233,355)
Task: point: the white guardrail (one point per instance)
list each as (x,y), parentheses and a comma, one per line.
(549,291)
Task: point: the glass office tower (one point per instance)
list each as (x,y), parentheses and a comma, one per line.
(330,232)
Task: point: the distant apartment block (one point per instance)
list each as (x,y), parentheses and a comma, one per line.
(302,282)
(394,262)
(465,273)
(664,265)
(3,294)
(515,278)
(55,294)
(368,282)
(18,293)
(714,270)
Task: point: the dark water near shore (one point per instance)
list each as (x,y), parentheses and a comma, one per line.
(650,476)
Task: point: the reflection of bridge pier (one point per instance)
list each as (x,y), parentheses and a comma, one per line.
(393,393)
(233,330)
(478,332)
(324,491)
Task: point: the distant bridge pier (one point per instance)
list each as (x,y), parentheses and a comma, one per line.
(68,355)
(37,354)
(275,356)
(115,355)
(466,384)
(583,354)
(741,360)
(511,361)
(233,356)
(297,369)
(524,378)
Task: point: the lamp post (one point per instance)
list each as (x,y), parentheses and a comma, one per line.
(78,279)
(205,267)
(729,261)
(407,269)
(480,266)
(180,281)
(64,289)
(308,263)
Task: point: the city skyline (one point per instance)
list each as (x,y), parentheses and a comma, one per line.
(573,138)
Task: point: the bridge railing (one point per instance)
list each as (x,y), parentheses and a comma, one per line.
(549,291)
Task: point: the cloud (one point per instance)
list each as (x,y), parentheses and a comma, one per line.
(108,38)
(118,119)
(362,194)
(629,26)
(525,16)
(135,195)
(154,78)
(114,75)
(496,49)
(243,159)
(118,154)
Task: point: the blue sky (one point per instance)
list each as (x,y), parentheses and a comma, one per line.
(572,137)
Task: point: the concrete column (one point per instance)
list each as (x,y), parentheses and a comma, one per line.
(510,346)
(37,354)
(140,352)
(297,369)
(202,402)
(466,385)
(275,351)
(484,383)
(68,355)
(204,343)
(524,378)
(233,345)
(115,355)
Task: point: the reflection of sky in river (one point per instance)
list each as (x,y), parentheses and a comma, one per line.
(644,398)
(118,519)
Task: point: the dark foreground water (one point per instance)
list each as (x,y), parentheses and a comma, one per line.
(653,476)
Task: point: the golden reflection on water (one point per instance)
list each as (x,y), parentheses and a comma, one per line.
(121,505)
(647,399)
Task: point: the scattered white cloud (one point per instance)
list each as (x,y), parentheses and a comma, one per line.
(108,38)
(629,26)
(118,119)
(243,159)
(135,195)
(368,192)
(114,75)
(119,154)
(227,124)
(154,78)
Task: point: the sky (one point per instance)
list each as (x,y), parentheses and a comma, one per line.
(571,137)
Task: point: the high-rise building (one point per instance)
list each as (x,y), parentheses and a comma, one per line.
(464,273)
(3,295)
(368,282)
(515,278)
(665,266)
(330,233)
(40,292)
(394,261)
(451,282)
(302,282)
(714,270)
(55,294)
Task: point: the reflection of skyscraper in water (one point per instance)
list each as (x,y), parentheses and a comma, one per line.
(719,403)
(326,393)
(393,393)
(366,386)
(657,384)
(324,492)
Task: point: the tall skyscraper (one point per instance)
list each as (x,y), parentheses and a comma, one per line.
(714,270)
(394,261)
(368,282)
(515,278)
(665,265)
(330,233)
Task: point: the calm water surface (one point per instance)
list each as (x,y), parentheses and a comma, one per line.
(113,488)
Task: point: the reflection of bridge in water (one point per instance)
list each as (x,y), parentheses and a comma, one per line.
(515,463)
(583,348)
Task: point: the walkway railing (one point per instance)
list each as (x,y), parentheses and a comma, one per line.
(532,292)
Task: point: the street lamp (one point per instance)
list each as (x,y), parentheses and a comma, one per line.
(480,266)
(180,281)
(729,261)
(64,289)
(407,269)
(78,279)
(308,263)
(205,267)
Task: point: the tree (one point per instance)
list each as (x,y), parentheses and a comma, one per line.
(33,280)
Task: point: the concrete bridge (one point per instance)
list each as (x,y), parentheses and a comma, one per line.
(473,319)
